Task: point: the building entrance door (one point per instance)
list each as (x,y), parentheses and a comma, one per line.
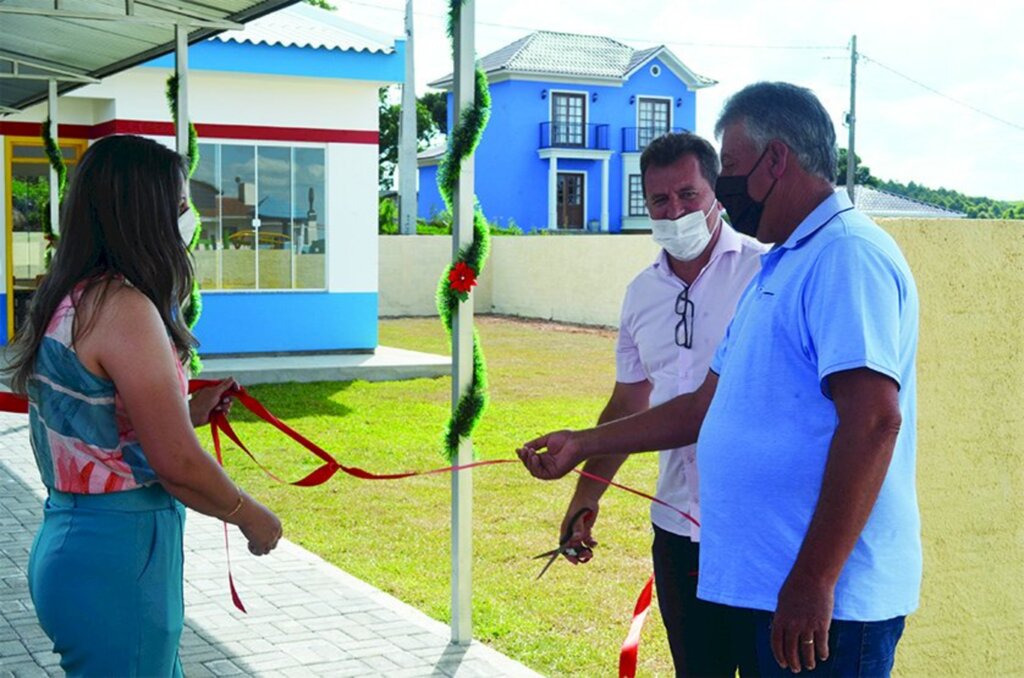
(570,199)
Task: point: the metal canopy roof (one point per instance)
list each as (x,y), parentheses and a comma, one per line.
(80,41)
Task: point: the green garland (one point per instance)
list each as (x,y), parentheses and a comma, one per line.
(460,276)
(195,301)
(56,158)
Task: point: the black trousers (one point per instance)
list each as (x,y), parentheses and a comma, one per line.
(706,639)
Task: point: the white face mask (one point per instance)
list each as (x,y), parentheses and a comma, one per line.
(684,238)
(187,225)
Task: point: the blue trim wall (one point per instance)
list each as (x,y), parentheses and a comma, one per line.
(511,178)
(428,198)
(308,62)
(255,322)
(3,320)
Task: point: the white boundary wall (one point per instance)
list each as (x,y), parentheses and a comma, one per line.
(578,279)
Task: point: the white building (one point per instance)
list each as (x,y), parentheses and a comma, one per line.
(286,112)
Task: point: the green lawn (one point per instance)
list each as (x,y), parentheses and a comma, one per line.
(395,535)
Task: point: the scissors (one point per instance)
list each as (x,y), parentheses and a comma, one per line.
(553,554)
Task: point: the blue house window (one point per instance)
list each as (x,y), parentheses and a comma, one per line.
(637,207)
(653,119)
(262,213)
(568,118)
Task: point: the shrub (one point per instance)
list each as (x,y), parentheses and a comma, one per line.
(387,217)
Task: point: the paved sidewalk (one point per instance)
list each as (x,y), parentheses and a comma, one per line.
(384,364)
(306,617)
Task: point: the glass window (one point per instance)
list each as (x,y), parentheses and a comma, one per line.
(309,209)
(569,112)
(637,208)
(652,120)
(262,211)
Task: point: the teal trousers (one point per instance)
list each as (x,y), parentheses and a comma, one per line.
(105,575)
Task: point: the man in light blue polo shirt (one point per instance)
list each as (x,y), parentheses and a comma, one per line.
(806,421)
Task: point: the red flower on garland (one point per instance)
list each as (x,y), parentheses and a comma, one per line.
(461,279)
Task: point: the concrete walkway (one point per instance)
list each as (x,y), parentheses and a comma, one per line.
(306,617)
(384,364)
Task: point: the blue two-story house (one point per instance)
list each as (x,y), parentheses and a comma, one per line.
(571,115)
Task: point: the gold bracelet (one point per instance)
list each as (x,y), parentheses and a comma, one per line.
(238,506)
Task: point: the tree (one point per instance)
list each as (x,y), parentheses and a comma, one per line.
(388,117)
(437,104)
(322,4)
(862,174)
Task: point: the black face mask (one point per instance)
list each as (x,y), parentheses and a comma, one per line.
(744,211)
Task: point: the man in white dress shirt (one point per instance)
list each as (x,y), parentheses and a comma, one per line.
(674,315)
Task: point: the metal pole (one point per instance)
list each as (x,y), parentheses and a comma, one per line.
(462,347)
(181,70)
(54,178)
(407,138)
(851,121)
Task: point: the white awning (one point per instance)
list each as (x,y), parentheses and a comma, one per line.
(80,41)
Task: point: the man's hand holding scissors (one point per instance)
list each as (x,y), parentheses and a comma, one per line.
(578,553)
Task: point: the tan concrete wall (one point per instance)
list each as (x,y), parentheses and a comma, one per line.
(410,267)
(577,279)
(970,276)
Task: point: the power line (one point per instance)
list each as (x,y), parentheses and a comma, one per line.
(943,94)
(645,39)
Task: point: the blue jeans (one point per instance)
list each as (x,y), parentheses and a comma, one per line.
(855,649)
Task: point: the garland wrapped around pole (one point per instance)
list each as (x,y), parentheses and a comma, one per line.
(461,275)
(56,158)
(195,302)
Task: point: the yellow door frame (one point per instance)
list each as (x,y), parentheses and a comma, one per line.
(9,143)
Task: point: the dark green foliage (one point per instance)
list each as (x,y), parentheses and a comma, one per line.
(387,217)
(388,116)
(322,4)
(461,143)
(465,137)
(56,158)
(193,136)
(973,207)
(862,173)
(438,224)
(437,104)
(194,308)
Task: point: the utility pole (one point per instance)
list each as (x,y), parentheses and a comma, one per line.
(851,121)
(407,138)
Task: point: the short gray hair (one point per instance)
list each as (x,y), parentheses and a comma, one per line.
(791,114)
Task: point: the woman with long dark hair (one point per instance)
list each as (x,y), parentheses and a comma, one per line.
(101,359)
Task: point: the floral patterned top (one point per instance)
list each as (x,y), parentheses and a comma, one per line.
(82,438)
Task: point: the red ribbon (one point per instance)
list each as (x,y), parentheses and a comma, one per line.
(627,656)
(10,402)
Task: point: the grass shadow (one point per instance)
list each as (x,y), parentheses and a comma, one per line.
(293,400)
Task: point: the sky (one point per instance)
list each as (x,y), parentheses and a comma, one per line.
(940,85)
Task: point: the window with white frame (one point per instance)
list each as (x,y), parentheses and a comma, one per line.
(568,118)
(262,213)
(653,118)
(637,206)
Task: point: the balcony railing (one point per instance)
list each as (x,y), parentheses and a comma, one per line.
(635,139)
(591,136)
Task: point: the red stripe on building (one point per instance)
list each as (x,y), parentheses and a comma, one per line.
(35,129)
(205,130)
